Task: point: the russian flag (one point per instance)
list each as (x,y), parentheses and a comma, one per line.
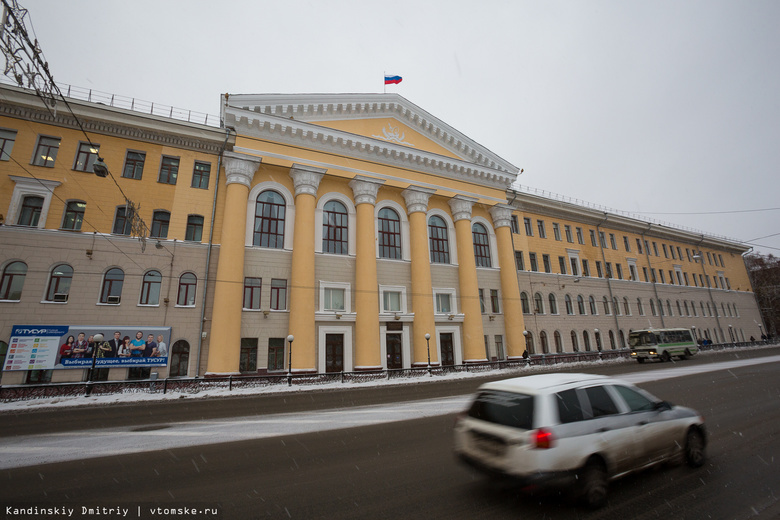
(392,80)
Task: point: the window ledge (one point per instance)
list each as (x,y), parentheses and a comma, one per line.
(335,316)
(49,302)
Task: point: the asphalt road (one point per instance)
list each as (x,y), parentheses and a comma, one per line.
(400,469)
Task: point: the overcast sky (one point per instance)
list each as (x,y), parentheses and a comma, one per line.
(667,109)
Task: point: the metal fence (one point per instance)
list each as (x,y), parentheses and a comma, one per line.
(195,385)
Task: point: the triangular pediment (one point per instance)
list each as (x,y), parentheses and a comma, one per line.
(366,121)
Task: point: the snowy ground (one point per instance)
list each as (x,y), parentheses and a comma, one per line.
(138,397)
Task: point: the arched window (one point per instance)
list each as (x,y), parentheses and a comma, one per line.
(188,283)
(553,304)
(593,310)
(709,310)
(615,305)
(574,345)
(481,245)
(652,307)
(194,230)
(59,283)
(335,231)
(545,344)
(626,307)
(558,341)
(150,288)
(524,302)
(538,304)
(693,308)
(612,344)
(269,220)
(605,301)
(389,227)
(160,222)
(669,307)
(640,307)
(439,243)
(74,215)
(661,307)
(622,339)
(597,335)
(580,305)
(586,340)
(111,292)
(529,342)
(12,281)
(569,306)
(30,213)
(180,357)
(685,306)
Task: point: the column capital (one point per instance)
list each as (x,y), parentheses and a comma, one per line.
(461,207)
(240,168)
(502,215)
(365,189)
(306,179)
(416,199)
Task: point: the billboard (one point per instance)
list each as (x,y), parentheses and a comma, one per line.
(47,347)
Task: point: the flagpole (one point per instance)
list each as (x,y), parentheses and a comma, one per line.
(384,83)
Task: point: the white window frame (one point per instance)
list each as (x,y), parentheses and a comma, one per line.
(27,186)
(392,288)
(351,223)
(289,215)
(453,302)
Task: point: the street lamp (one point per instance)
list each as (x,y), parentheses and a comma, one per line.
(428,343)
(97,339)
(290,339)
(695,339)
(598,339)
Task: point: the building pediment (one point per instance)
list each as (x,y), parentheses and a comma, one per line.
(378,127)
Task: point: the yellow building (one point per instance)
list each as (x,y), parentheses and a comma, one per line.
(369,232)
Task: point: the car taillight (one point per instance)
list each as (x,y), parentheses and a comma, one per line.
(543,439)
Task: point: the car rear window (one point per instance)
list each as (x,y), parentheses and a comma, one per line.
(569,407)
(600,401)
(505,408)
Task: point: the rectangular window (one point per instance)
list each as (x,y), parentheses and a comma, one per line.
(688,254)
(515,225)
(248,361)
(626,244)
(585,268)
(546,261)
(160,223)
(567,231)
(74,215)
(556,231)
(632,273)
(593,239)
(200,175)
(685,276)
(275,354)
(639,246)
(86,156)
(7,139)
(608,266)
(709,258)
(334,299)
(580,238)
(574,270)
(443,303)
(603,239)
(542,232)
(619,269)
(529,231)
(494,305)
(599,272)
(671,249)
(721,260)
(252,293)
(644,272)
(612,241)
(661,274)
(532,259)
(123,221)
(194,231)
(392,301)
(482,300)
(46,151)
(499,339)
(562,264)
(519,261)
(169,170)
(134,165)
(679,253)
(278,294)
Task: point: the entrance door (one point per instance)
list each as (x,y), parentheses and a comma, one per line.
(334,352)
(393,344)
(447,351)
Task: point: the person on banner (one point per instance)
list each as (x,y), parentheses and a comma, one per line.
(114,346)
(66,349)
(137,345)
(80,347)
(124,348)
(150,346)
(162,348)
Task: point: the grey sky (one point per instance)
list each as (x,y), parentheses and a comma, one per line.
(650,107)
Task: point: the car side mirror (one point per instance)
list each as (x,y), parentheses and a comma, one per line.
(662,406)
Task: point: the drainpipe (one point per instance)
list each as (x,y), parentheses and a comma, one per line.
(210,247)
(652,278)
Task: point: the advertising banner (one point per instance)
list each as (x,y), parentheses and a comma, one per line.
(47,347)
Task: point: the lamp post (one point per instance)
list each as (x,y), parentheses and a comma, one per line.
(695,339)
(290,339)
(526,354)
(428,343)
(97,339)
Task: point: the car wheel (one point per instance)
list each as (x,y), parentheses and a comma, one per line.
(666,356)
(694,448)
(592,484)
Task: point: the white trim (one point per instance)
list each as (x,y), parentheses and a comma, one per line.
(406,346)
(25,186)
(351,222)
(405,241)
(348,347)
(347,287)
(492,243)
(453,301)
(392,288)
(289,213)
(451,238)
(456,343)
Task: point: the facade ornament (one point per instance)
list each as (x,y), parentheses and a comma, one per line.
(461,207)
(502,215)
(306,179)
(417,199)
(394,135)
(365,189)
(240,168)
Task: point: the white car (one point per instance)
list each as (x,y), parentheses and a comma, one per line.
(577,430)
